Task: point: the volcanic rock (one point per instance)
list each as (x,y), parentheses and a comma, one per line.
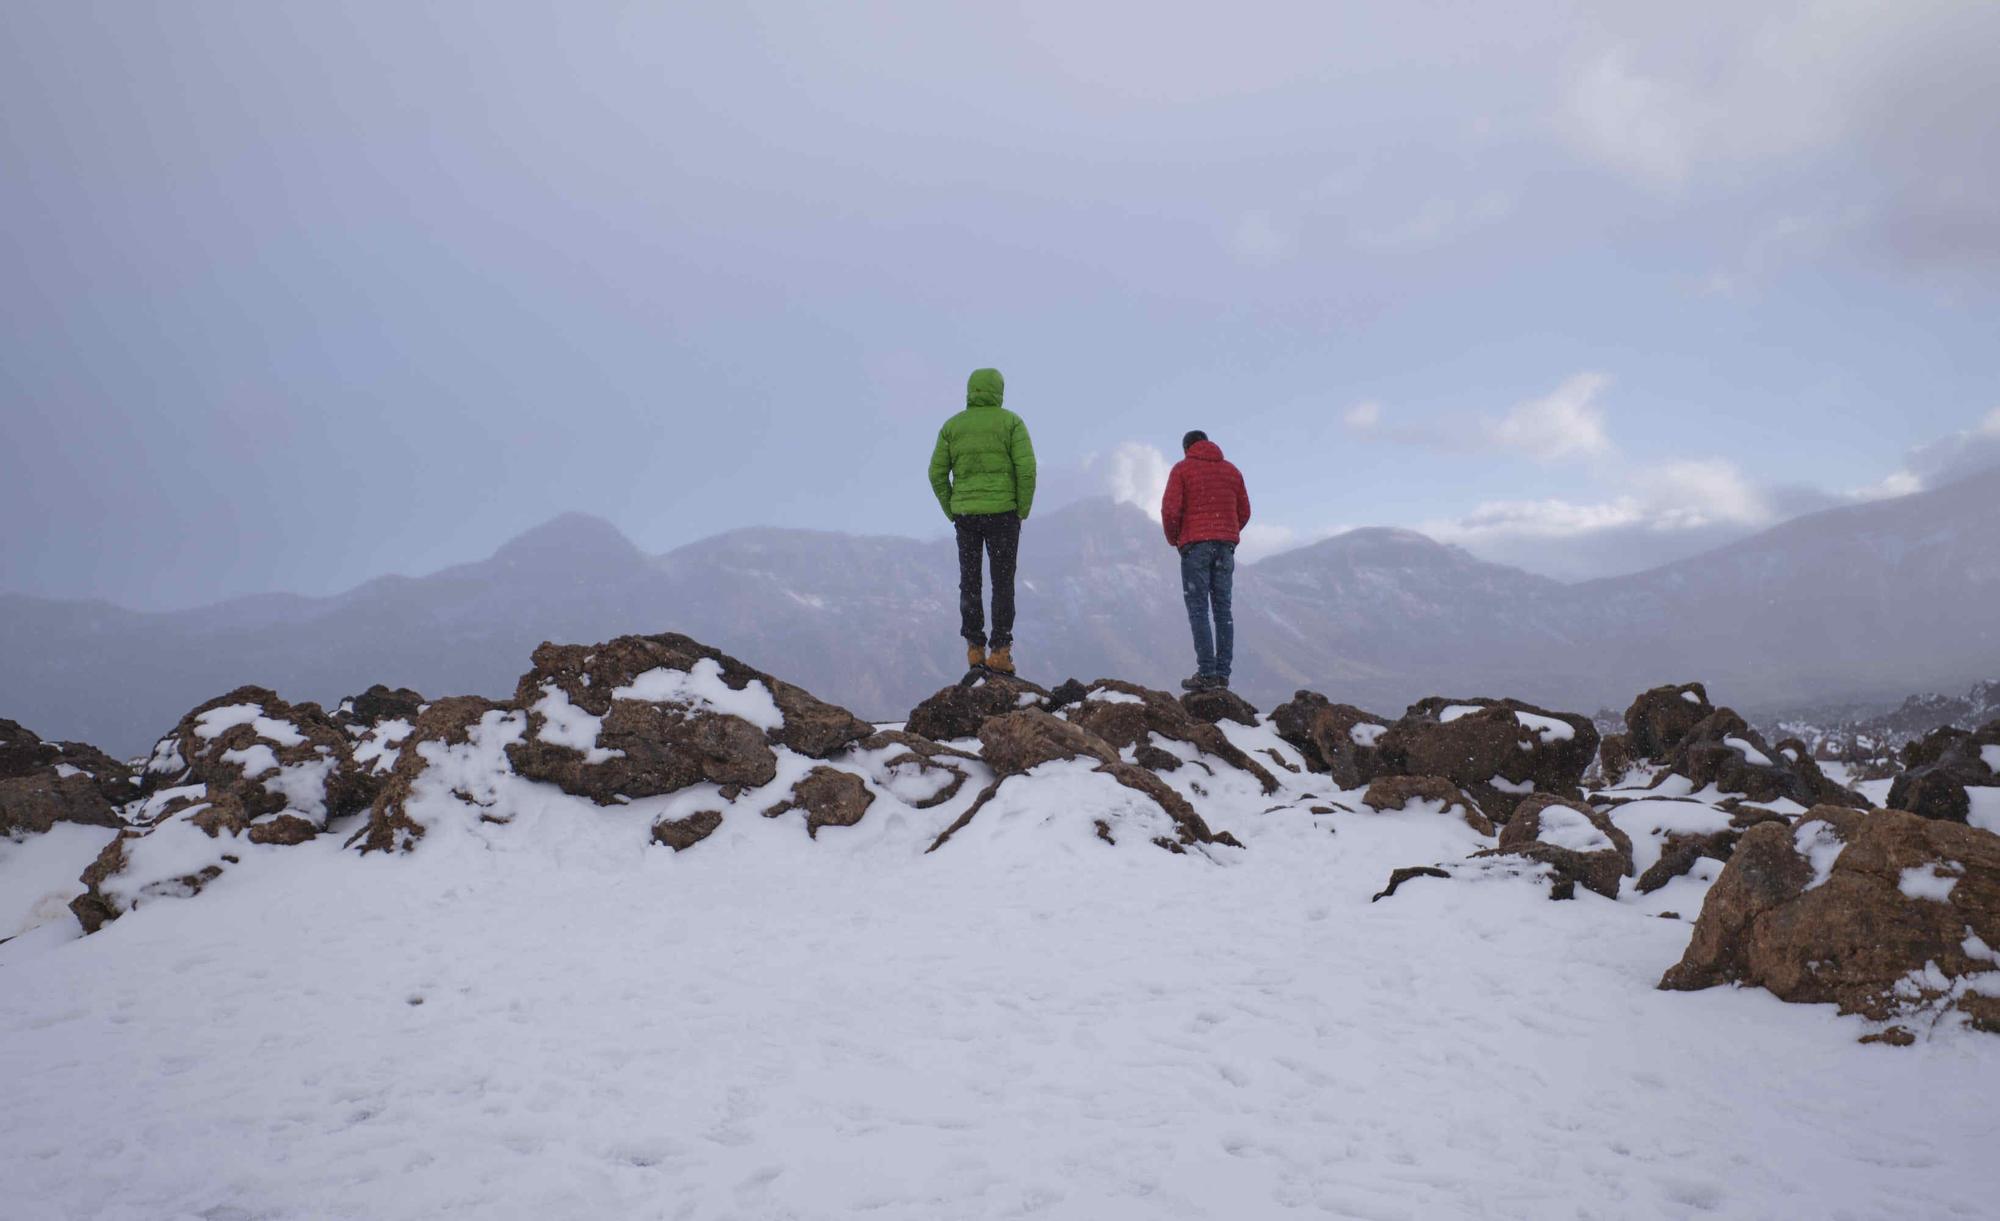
(1582,845)
(1497,751)
(1397,792)
(44,783)
(959,712)
(1338,739)
(1659,720)
(830,798)
(1722,750)
(1946,767)
(1129,717)
(1219,704)
(1884,914)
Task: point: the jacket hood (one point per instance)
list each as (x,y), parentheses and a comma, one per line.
(985,388)
(1205,451)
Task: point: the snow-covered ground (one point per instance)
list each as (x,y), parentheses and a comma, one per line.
(554,1018)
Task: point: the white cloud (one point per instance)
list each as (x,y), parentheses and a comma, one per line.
(1949,458)
(1363,417)
(1136,473)
(1563,425)
(1674,497)
(1260,241)
(1640,125)
(1437,221)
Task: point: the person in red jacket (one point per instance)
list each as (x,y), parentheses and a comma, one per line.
(1204,512)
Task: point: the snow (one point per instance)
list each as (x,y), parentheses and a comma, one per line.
(565,724)
(1547,728)
(1691,697)
(1112,697)
(379,748)
(538,1013)
(1821,845)
(1990,756)
(255,760)
(1512,786)
(1456,711)
(1364,733)
(217,721)
(1984,811)
(1933,881)
(702,687)
(65,770)
(38,875)
(1743,746)
(1566,828)
(166,757)
(1649,823)
(303,786)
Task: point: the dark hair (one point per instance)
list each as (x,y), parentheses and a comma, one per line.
(1192,439)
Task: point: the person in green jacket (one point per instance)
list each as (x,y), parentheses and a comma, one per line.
(983,471)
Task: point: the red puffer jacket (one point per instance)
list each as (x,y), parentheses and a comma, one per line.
(1206,501)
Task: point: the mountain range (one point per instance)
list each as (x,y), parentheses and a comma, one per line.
(1864,602)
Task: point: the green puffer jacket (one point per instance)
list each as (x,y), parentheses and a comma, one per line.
(984,462)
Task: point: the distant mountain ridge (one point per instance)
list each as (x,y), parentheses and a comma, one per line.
(1862,603)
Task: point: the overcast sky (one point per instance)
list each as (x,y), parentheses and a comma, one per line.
(297,294)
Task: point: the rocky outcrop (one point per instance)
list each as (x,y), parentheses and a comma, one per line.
(1130,717)
(378,704)
(1660,720)
(829,797)
(446,725)
(1885,914)
(1338,739)
(642,716)
(680,834)
(1614,759)
(1497,751)
(959,711)
(1019,742)
(44,783)
(1722,750)
(1580,844)
(1397,792)
(922,773)
(1218,705)
(1948,768)
(1678,849)
(243,772)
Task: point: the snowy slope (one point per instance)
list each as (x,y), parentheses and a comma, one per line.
(555,1018)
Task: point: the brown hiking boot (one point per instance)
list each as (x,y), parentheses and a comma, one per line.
(1001,659)
(975,655)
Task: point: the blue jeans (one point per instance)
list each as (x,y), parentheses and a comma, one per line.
(1208,575)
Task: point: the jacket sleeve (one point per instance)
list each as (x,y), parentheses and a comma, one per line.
(1242,502)
(941,472)
(1173,506)
(1022,450)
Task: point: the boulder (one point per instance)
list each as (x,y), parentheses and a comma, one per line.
(829,797)
(1397,792)
(377,705)
(1659,720)
(448,723)
(1217,705)
(959,712)
(1018,742)
(1722,750)
(1950,769)
(919,772)
(1497,751)
(1885,914)
(1338,739)
(44,783)
(1130,717)
(241,773)
(680,834)
(642,716)
(1680,849)
(1614,760)
(1580,844)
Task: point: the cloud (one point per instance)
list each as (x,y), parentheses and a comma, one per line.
(1136,473)
(1259,241)
(1363,417)
(1640,125)
(1943,461)
(1436,222)
(1563,425)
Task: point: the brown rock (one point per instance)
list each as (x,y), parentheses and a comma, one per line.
(956,712)
(44,783)
(1137,715)
(1325,733)
(903,752)
(680,834)
(830,798)
(1218,705)
(651,749)
(379,704)
(1397,792)
(1537,833)
(1820,914)
(1713,752)
(1614,759)
(1943,767)
(447,722)
(1659,720)
(1490,747)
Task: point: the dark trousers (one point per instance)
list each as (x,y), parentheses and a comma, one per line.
(1208,578)
(980,535)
